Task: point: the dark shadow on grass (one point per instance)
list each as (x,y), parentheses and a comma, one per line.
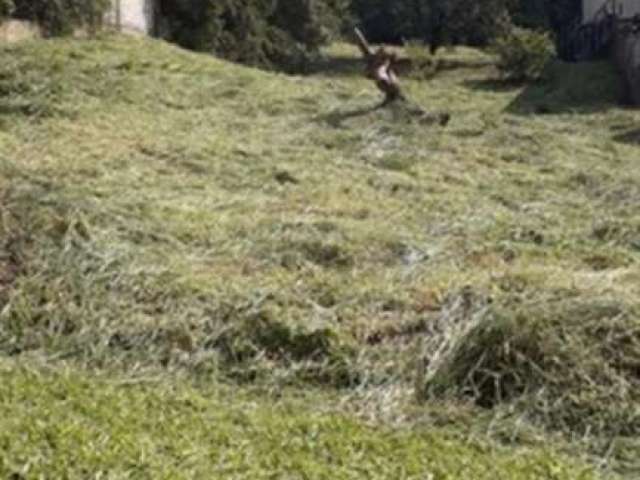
(494,85)
(578,88)
(460,64)
(631,137)
(401,111)
(332,66)
(343,66)
(336,118)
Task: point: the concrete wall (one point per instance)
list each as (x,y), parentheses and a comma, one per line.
(627,58)
(624,8)
(135,16)
(629,8)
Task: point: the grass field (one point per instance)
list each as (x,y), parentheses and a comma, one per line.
(205,269)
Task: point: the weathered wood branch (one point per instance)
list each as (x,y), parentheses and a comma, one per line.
(382,68)
(365,48)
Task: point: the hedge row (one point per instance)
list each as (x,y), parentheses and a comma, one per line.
(56,17)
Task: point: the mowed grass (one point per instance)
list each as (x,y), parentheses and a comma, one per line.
(168,212)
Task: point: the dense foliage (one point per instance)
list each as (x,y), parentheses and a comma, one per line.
(6,6)
(287,34)
(546,14)
(261,32)
(435,21)
(459,21)
(58,17)
(523,54)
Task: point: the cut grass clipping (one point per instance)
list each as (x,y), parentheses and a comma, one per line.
(173,214)
(571,363)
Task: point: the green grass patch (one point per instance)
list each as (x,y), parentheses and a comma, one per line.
(70,425)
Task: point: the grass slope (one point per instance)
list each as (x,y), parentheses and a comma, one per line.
(166,211)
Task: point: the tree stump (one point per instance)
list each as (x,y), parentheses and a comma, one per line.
(381,67)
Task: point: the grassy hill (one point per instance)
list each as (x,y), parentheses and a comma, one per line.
(205,269)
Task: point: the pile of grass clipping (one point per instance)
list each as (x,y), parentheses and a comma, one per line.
(571,365)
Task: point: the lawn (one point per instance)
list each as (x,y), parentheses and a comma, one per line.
(277,254)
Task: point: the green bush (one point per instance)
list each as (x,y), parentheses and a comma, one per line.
(61,17)
(524,54)
(437,22)
(6,7)
(256,32)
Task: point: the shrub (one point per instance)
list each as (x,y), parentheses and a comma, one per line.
(61,17)
(424,65)
(435,21)
(6,7)
(256,32)
(524,54)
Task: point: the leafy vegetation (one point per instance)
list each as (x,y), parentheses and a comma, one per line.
(258,32)
(287,35)
(434,21)
(6,8)
(551,15)
(524,54)
(235,234)
(60,17)
(442,22)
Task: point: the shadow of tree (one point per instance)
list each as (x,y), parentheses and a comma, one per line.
(631,137)
(336,118)
(338,66)
(578,88)
(399,111)
(495,85)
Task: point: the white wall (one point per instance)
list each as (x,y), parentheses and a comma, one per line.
(625,8)
(132,15)
(629,8)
